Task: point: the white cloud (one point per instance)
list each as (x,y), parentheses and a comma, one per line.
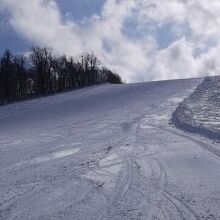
(174,61)
(41,22)
(195,23)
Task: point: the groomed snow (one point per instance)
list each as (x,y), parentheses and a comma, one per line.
(106,152)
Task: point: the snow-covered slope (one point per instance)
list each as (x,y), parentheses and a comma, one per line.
(106,152)
(200,113)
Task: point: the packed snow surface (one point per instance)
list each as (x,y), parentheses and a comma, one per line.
(106,152)
(200,113)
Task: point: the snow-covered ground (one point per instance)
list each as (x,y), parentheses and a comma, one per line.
(200,113)
(106,152)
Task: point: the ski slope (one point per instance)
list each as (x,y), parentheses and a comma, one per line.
(106,152)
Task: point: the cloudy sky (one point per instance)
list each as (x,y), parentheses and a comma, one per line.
(140,39)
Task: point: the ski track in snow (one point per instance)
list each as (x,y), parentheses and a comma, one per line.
(107,152)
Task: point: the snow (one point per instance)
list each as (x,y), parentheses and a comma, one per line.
(55,155)
(106,152)
(200,112)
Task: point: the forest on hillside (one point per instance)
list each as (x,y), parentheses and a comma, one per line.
(42,74)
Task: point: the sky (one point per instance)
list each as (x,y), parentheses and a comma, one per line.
(142,40)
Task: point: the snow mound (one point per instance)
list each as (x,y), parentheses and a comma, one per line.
(200,112)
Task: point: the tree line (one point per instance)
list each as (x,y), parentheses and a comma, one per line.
(41,73)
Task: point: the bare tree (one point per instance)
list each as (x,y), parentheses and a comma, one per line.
(42,63)
(20,71)
(7,71)
(48,74)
